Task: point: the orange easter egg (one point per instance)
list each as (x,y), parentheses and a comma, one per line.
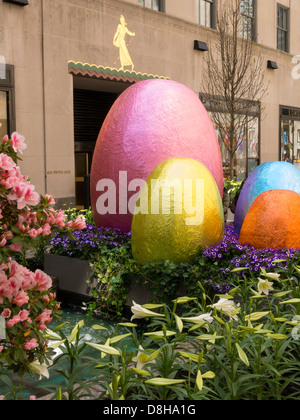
(273,221)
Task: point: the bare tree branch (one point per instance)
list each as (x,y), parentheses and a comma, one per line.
(234,80)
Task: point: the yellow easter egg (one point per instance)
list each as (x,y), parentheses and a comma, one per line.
(179,211)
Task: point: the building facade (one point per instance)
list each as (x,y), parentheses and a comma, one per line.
(63,63)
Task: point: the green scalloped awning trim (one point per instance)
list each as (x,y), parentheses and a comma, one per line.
(109,72)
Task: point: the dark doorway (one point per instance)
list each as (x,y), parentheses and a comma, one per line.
(90,110)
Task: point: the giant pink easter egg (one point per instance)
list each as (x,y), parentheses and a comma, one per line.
(150,122)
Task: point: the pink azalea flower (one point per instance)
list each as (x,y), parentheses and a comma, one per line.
(18,142)
(21,298)
(15,320)
(6,163)
(43,281)
(46,229)
(50,200)
(15,247)
(23,315)
(31,344)
(32,233)
(9,235)
(6,313)
(44,318)
(79,224)
(6,291)
(23,193)
(28,282)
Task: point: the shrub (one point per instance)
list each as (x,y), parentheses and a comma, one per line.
(26,302)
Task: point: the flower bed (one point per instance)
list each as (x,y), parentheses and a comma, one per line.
(109,253)
(86,244)
(221,259)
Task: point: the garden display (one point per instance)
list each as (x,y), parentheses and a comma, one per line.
(224,317)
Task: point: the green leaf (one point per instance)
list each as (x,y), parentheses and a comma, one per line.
(242,355)
(151,306)
(152,356)
(59,327)
(58,395)
(258,297)
(73,333)
(196,327)
(233,292)
(194,357)
(255,316)
(105,349)
(208,375)
(183,299)
(261,331)
(219,320)
(277,336)
(160,334)
(99,327)
(236,270)
(141,372)
(127,324)
(280,294)
(57,344)
(179,323)
(119,337)
(207,337)
(291,301)
(229,297)
(51,335)
(199,380)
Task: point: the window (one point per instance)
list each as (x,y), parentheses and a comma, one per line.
(7,110)
(246,157)
(205,13)
(157,5)
(3,114)
(248,19)
(19,2)
(282,28)
(290,135)
(246,143)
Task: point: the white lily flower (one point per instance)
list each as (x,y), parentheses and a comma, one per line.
(273,276)
(264,286)
(141,358)
(227,307)
(139,312)
(41,370)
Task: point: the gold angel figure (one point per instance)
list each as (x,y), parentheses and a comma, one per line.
(119,42)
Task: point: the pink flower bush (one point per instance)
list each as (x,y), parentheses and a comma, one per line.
(26,301)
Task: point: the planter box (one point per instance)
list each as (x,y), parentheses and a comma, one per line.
(138,292)
(72,274)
